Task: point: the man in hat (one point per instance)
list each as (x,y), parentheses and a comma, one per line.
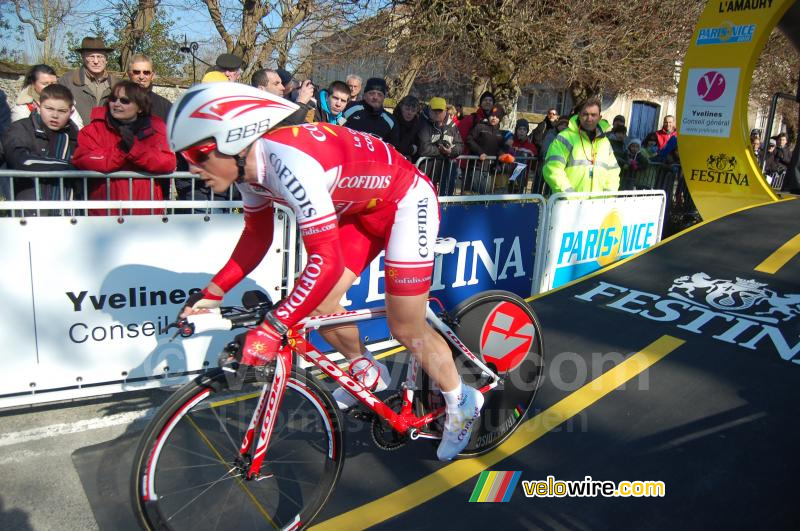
(369,115)
(230,65)
(439,143)
(91,83)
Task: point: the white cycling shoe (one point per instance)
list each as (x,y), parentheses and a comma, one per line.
(459,423)
(372,374)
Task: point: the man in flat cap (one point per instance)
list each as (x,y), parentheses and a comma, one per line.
(91,83)
(230,65)
(369,115)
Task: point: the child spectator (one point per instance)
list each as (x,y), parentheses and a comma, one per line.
(44,141)
(124,136)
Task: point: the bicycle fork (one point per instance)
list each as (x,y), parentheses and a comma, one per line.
(253,451)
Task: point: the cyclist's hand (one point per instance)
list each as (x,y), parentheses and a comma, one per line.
(201,302)
(260,345)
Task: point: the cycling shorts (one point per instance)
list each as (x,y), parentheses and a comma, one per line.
(406,230)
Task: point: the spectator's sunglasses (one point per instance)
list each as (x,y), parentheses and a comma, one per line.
(138,72)
(115,99)
(199,154)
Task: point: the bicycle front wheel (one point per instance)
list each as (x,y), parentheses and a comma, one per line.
(188,473)
(503,331)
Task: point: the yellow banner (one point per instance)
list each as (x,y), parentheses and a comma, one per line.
(713,134)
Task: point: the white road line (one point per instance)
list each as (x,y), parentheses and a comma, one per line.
(56,430)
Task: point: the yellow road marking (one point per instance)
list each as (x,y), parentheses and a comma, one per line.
(457,473)
(778,259)
(238,480)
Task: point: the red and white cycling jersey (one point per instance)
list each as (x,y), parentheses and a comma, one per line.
(353,196)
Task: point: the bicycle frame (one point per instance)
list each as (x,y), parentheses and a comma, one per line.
(403,422)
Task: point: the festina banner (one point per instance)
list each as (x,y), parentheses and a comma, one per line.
(495,249)
(586,233)
(85,303)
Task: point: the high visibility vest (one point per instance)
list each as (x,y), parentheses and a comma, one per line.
(574,161)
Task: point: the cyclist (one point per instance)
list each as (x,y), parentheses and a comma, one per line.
(353,196)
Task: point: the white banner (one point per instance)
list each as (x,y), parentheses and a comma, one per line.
(586,232)
(84,303)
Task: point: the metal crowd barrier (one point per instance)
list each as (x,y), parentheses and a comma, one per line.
(469,175)
(67,193)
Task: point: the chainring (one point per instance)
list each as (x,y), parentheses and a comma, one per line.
(383,435)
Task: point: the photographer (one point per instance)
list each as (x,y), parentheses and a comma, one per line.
(440,142)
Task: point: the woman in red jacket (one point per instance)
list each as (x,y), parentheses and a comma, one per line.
(124,136)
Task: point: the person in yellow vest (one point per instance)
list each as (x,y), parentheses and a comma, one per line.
(580,159)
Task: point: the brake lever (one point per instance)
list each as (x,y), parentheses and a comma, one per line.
(185,329)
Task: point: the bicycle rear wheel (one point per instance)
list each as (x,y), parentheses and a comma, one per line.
(503,331)
(187,469)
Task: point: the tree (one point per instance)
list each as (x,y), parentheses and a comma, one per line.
(46,19)
(147,28)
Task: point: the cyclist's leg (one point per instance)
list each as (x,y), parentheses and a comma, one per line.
(359,249)
(406,318)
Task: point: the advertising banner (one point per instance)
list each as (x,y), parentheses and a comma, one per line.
(718,163)
(495,249)
(585,233)
(84,303)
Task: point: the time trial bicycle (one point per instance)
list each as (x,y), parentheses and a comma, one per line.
(252,448)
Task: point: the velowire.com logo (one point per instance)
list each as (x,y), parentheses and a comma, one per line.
(495,486)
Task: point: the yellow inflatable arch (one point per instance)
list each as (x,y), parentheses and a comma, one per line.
(714,138)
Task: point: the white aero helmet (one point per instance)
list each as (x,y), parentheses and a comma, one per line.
(233,114)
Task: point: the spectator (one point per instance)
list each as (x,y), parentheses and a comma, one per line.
(272,82)
(783,153)
(617,121)
(522,148)
(650,146)
(289,83)
(91,83)
(666,132)
(43,141)
(332,103)
(618,139)
(369,115)
(637,162)
(124,136)
(214,76)
(268,80)
(465,125)
(755,133)
(440,143)
(545,126)
(452,111)
(580,159)
(755,143)
(772,167)
(141,72)
(459,112)
(407,120)
(5,113)
(230,65)
(561,124)
(669,153)
(354,83)
(37,78)
(486,140)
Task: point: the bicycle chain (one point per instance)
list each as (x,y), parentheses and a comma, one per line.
(383,435)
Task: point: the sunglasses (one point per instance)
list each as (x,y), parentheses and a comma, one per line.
(124,101)
(139,72)
(198,154)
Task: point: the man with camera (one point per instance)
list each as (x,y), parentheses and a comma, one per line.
(440,143)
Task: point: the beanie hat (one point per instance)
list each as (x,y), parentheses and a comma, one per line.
(634,141)
(486,94)
(522,122)
(375,83)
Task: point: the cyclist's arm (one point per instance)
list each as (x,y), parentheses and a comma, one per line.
(249,252)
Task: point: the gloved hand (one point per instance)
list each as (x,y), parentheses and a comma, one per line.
(199,301)
(506,158)
(128,137)
(260,345)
